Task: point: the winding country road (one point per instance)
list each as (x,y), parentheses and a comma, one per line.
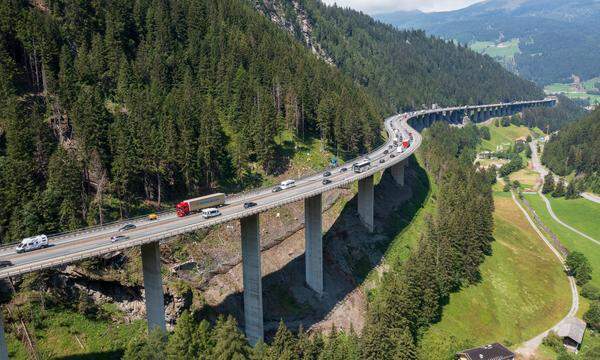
(538,167)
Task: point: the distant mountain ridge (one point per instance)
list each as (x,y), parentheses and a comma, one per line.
(557,38)
(402,69)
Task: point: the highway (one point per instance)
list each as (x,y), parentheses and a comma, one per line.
(95,241)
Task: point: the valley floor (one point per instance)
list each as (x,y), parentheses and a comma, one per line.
(523,291)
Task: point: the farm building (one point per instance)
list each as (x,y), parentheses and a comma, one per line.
(493,351)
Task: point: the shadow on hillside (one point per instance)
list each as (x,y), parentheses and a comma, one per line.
(349,254)
(105,355)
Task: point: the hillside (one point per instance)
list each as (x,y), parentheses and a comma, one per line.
(576,148)
(546,41)
(109,108)
(405,69)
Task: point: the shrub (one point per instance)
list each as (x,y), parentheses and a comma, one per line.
(579,267)
(590,291)
(592,316)
(553,341)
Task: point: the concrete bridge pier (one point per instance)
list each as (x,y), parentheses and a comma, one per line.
(313,237)
(252,277)
(398,173)
(3,348)
(365,202)
(155,303)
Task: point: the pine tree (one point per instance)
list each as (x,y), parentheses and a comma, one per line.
(548,186)
(183,343)
(230,344)
(559,190)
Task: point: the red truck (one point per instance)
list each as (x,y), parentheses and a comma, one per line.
(187,207)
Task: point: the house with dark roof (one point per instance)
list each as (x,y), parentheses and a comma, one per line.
(493,351)
(571,330)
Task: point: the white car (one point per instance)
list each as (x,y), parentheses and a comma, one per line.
(287,184)
(210,213)
(32,243)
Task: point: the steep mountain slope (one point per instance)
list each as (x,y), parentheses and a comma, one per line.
(109,104)
(556,38)
(405,69)
(577,148)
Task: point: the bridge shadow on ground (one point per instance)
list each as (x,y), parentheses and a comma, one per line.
(350,253)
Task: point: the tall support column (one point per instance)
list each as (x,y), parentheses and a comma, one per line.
(253,306)
(313,235)
(155,303)
(398,173)
(365,202)
(3,348)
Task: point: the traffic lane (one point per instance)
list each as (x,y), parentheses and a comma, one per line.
(155,228)
(101,241)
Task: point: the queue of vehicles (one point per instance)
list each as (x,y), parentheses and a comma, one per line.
(208,205)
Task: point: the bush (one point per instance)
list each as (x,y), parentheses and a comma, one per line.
(592,316)
(553,341)
(591,292)
(529,138)
(548,184)
(484,132)
(579,267)
(559,189)
(506,187)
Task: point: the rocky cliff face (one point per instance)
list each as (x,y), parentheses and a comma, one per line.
(291,16)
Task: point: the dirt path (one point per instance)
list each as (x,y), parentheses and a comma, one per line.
(529,347)
(591,197)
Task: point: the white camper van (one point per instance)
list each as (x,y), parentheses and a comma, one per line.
(32,243)
(210,213)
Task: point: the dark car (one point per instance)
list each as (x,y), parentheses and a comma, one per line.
(386,152)
(5,263)
(127,227)
(249,204)
(343,169)
(326,174)
(118,238)
(392,156)
(326,181)
(277,189)
(381,161)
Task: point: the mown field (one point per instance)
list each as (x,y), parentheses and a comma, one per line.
(504,136)
(505,51)
(523,290)
(572,214)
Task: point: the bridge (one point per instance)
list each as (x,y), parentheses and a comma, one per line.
(95,241)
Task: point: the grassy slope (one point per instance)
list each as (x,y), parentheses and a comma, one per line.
(503,136)
(581,214)
(67,333)
(506,50)
(521,280)
(568,238)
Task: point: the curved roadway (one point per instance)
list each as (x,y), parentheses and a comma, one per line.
(94,241)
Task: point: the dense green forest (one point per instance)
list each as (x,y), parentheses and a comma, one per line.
(453,245)
(112,106)
(576,148)
(556,38)
(550,119)
(405,69)
(108,103)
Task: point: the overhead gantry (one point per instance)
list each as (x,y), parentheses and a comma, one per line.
(92,242)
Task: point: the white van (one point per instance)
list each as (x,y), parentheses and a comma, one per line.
(32,243)
(287,184)
(210,213)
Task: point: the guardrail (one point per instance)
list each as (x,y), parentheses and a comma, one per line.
(247,212)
